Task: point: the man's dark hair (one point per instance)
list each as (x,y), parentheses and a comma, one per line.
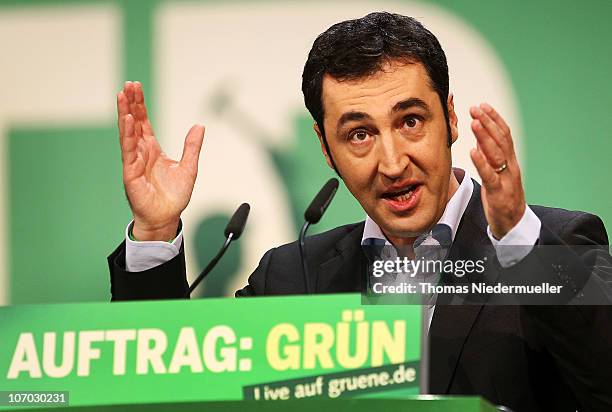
(358,48)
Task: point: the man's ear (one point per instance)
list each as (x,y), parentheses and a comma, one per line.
(452,118)
(322,143)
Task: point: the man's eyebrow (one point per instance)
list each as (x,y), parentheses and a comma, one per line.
(408,103)
(350,117)
(399,106)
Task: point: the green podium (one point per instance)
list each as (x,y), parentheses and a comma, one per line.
(266,354)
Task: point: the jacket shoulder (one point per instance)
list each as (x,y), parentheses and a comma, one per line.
(568,223)
(279,271)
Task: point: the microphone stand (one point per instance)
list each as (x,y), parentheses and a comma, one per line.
(212,263)
(312,215)
(305,227)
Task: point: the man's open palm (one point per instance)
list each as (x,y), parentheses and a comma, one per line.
(158,188)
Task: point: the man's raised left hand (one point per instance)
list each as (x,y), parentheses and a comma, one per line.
(503,197)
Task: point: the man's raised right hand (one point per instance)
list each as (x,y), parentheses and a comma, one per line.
(157,187)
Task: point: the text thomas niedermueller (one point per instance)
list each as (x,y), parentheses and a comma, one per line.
(478,288)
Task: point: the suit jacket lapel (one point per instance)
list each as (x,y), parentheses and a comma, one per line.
(343,269)
(451,325)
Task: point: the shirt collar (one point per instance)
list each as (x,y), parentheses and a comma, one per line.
(452,213)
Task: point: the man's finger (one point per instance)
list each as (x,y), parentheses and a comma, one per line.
(142,150)
(503,126)
(138,93)
(138,129)
(140,110)
(490,179)
(492,113)
(122,110)
(129,141)
(504,136)
(128,89)
(147,129)
(134,170)
(192,148)
(487,145)
(493,129)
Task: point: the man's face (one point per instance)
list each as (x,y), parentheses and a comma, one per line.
(388,137)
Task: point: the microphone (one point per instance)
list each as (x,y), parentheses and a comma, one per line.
(233,230)
(237,222)
(313,214)
(321,201)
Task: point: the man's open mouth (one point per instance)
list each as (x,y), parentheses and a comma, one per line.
(401,195)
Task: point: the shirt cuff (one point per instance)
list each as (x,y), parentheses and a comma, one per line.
(521,238)
(141,256)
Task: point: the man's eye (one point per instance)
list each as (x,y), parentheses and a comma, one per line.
(358,136)
(411,122)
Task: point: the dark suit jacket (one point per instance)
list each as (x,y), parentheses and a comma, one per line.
(528,358)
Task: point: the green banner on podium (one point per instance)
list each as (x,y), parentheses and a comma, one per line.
(272,348)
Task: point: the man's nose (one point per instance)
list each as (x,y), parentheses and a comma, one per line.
(393,158)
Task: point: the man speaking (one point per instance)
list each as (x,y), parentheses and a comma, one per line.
(378,90)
